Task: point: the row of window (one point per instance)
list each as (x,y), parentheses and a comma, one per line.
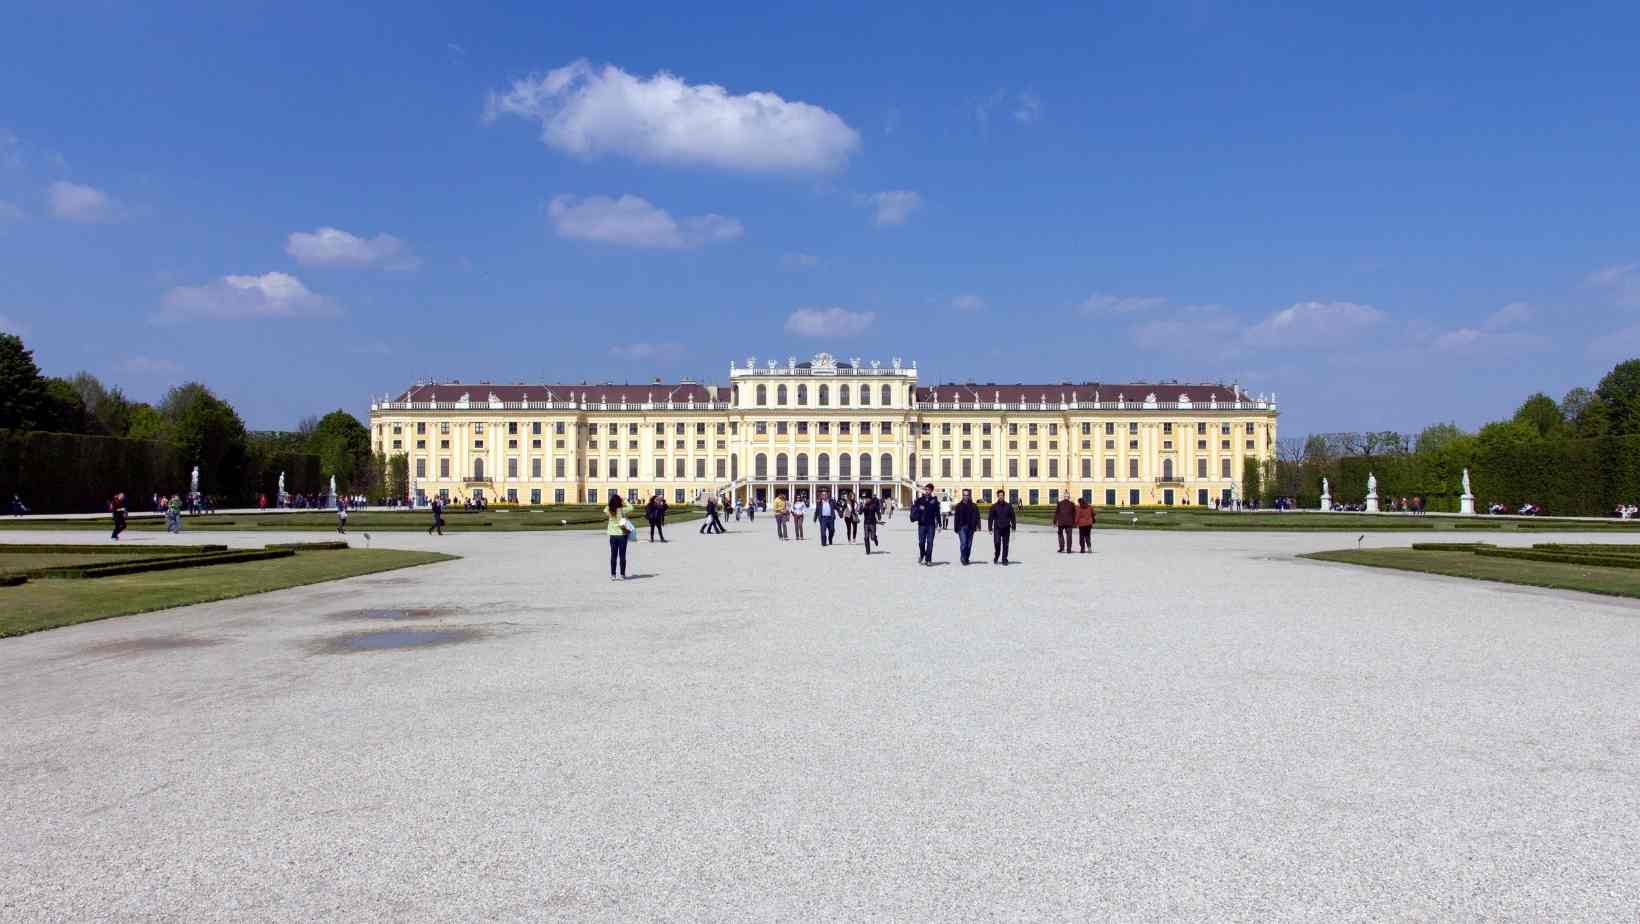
(1031,496)
(823,395)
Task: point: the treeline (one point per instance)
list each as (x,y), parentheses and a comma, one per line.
(1579,456)
(68,444)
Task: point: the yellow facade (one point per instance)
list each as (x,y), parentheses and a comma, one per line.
(798,427)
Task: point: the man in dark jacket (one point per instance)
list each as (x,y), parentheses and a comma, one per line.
(870,514)
(965,520)
(655,513)
(1064,520)
(925,512)
(825,513)
(1001,521)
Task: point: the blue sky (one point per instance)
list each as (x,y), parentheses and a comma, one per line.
(1387,217)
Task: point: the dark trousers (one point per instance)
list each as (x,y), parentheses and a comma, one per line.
(797,525)
(871,537)
(657,528)
(780,525)
(852,527)
(965,542)
(1064,538)
(1084,534)
(713,524)
(999,543)
(119,525)
(828,530)
(617,552)
(925,539)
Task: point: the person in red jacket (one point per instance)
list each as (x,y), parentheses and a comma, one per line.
(1084,525)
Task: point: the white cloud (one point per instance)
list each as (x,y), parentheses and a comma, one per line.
(1510,315)
(798,261)
(335,247)
(147,365)
(968,303)
(1622,282)
(74,202)
(1195,329)
(632,221)
(645,350)
(455,49)
(1024,107)
(1499,332)
(270,295)
(829,322)
(1317,324)
(661,119)
(1028,109)
(892,207)
(1105,305)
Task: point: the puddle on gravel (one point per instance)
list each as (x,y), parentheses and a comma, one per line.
(395,615)
(136,646)
(395,639)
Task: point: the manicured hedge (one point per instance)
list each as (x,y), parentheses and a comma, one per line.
(1449,546)
(1568,558)
(168,563)
(1601,548)
(308,546)
(12,580)
(34,548)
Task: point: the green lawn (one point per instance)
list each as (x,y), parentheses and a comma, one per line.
(1620,582)
(1197,519)
(47,604)
(514,520)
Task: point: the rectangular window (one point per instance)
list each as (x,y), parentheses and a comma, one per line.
(1201,468)
(985,495)
(945,468)
(444,426)
(700,468)
(1030,430)
(444,468)
(985,468)
(1133,444)
(760,427)
(802,426)
(1249,426)
(1201,428)
(1110,468)
(985,429)
(478,428)
(780,428)
(614,468)
(1133,496)
(421,426)
(398,444)
(557,468)
(886,427)
(535,495)
(512,495)
(1087,468)
(1133,426)
(421,468)
(1053,495)
(678,468)
(677,496)
(842,427)
(721,429)
(722,468)
(1224,444)
(1167,427)
(678,429)
(700,429)
(535,468)
(660,468)
(1133,468)
(421,444)
(512,427)
(1087,495)
(1036,497)
(631,468)
(825,427)
(865,427)
(967,468)
(512,468)
(1013,468)
(1110,497)
(1249,444)
(1030,465)
(1224,468)
(1053,468)
(478,444)
(558,495)
(1110,428)
(925,467)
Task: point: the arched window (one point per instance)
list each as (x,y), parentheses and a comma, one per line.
(760,465)
(888,397)
(780,470)
(802,395)
(762,396)
(780,395)
(1167,469)
(478,469)
(865,395)
(843,463)
(842,395)
(822,464)
(865,463)
(825,396)
(886,472)
(802,466)
(734,395)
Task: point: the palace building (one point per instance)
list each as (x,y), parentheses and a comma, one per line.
(797,427)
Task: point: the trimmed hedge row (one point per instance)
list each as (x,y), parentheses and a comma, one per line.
(168,563)
(1565,558)
(19,548)
(1602,548)
(1449,546)
(308,546)
(12,580)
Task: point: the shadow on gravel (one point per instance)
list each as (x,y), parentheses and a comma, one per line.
(394,614)
(137,646)
(394,640)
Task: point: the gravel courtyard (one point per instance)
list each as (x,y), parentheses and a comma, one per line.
(1180,727)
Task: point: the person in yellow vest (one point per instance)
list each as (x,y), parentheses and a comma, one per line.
(780,515)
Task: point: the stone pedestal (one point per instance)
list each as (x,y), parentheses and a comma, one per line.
(1466,505)
(1326,502)
(1372,502)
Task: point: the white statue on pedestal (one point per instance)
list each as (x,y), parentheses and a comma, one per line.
(1326,495)
(1372,493)
(1467,501)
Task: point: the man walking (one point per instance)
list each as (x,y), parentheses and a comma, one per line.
(438,516)
(965,517)
(713,524)
(780,515)
(870,509)
(825,513)
(1064,520)
(655,513)
(925,512)
(1001,521)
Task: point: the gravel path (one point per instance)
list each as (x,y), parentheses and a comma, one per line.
(1180,727)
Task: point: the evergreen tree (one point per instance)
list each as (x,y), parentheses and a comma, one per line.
(22,389)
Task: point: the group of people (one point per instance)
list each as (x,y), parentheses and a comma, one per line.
(860,517)
(931,515)
(1626,511)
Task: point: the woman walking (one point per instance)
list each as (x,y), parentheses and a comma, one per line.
(620,531)
(1084,525)
(851,516)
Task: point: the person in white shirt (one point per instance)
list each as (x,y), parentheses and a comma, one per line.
(800,509)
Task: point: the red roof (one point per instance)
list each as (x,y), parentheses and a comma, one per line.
(634,394)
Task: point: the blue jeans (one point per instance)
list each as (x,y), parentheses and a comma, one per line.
(965,542)
(925,539)
(617,551)
(828,529)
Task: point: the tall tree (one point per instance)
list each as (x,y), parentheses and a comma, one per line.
(1542,414)
(107,410)
(343,447)
(62,411)
(208,432)
(1619,391)
(22,390)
